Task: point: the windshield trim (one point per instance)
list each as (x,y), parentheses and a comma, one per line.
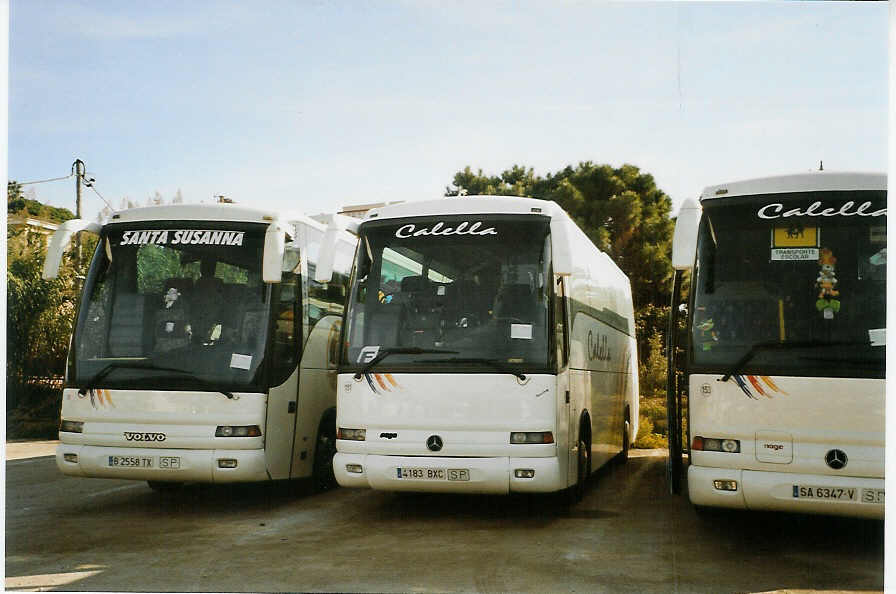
(548,365)
(176,381)
(870,369)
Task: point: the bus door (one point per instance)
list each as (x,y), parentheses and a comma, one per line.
(567,415)
(287,321)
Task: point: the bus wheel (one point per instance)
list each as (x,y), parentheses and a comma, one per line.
(324,450)
(164,486)
(583,472)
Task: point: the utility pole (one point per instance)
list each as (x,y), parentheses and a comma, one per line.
(79,169)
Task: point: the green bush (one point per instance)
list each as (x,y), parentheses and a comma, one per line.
(39,318)
(37,413)
(647,439)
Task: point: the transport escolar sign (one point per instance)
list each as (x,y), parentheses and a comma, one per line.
(182,237)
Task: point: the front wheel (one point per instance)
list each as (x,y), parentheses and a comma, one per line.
(577,492)
(324,451)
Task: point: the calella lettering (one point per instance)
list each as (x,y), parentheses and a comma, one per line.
(776,210)
(441,228)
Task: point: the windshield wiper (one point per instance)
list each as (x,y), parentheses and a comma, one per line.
(399,351)
(92,382)
(760,346)
(496,363)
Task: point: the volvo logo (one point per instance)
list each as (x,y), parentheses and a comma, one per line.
(132,436)
(434,443)
(836,459)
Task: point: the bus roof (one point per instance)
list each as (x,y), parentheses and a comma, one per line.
(196,212)
(463,205)
(816,181)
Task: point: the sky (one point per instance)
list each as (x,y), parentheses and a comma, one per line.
(309,106)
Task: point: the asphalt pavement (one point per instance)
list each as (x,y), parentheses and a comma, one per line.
(627,535)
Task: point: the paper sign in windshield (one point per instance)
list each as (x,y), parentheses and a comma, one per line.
(794,254)
(238,361)
(523,331)
(182,237)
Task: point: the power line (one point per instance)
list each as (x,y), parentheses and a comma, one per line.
(92,187)
(43,181)
(87,181)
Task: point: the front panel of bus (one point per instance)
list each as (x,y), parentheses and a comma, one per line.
(177,343)
(788,318)
(454,312)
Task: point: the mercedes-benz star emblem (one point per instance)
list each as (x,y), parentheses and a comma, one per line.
(434,443)
(836,459)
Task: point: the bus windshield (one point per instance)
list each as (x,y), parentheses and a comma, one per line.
(792,285)
(473,288)
(173,305)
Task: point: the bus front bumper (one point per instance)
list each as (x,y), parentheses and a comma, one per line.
(156,464)
(448,475)
(791,492)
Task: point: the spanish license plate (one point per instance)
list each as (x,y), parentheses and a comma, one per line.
(433,474)
(825,493)
(132,461)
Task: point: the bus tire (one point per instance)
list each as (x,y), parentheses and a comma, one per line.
(323,477)
(583,471)
(164,486)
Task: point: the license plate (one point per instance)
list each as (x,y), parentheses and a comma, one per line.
(433,474)
(825,493)
(131,461)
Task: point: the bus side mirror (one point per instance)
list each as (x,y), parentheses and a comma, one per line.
(274,248)
(60,242)
(336,224)
(684,242)
(561,246)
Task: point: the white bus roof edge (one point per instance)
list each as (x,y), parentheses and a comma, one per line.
(816,181)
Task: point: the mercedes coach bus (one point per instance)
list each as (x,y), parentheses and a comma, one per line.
(488,347)
(781,365)
(203,350)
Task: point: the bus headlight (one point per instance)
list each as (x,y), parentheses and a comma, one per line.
(532,437)
(237,431)
(351,434)
(71,426)
(715,444)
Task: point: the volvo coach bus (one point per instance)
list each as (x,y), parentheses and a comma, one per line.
(203,350)
(780,370)
(488,347)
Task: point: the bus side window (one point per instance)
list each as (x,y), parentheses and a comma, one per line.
(560,328)
(287,322)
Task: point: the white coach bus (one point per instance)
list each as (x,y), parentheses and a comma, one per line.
(488,347)
(203,351)
(782,362)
